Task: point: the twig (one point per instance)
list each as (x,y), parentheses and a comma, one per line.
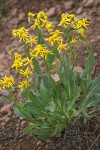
(94,142)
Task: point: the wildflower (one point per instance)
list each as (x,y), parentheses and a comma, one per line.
(18,62)
(55,37)
(7,81)
(49,26)
(30,15)
(23,84)
(28,61)
(74,40)
(66,19)
(32,41)
(40,50)
(61,46)
(22,33)
(39,22)
(81,31)
(26,73)
(10,52)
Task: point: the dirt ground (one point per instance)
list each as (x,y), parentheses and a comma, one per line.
(77,136)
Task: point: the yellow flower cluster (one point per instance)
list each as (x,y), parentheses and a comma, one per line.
(40,50)
(22,33)
(6,82)
(74,22)
(55,37)
(23,84)
(40,20)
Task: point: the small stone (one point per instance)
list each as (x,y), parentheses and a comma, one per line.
(38,143)
(51,12)
(56,77)
(2,124)
(89,3)
(68,5)
(95,54)
(78,69)
(21,16)
(79,10)
(23,122)
(6,108)
(6,119)
(14,12)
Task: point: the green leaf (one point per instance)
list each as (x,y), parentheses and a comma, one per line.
(50,107)
(29,128)
(37,67)
(89,62)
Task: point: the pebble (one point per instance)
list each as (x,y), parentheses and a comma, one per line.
(38,143)
(68,5)
(6,108)
(51,12)
(78,69)
(56,77)
(79,10)
(89,3)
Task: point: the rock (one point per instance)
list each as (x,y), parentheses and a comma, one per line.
(56,77)
(21,16)
(6,119)
(89,3)
(95,54)
(23,122)
(38,143)
(51,12)
(5,109)
(14,12)
(13,21)
(79,10)
(78,69)
(68,5)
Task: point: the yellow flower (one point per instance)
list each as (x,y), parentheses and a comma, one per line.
(22,33)
(49,26)
(81,31)
(32,41)
(40,50)
(74,40)
(18,62)
(39,22)
(26,73)
(23,84)
(61,46)
(30,15)
(10,52)
(28,61)
(7,81)
(66,19)
(55,37)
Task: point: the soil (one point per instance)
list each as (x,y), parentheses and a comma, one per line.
(77,136)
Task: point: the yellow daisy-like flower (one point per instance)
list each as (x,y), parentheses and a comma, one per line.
(7,81)
(40,50)
(61,47)
(23,84)
(30,15)
(66,19)
(55,37)
(22,33)
(74,40)
(32,41)
(48,26)
(39,22)
(28,61)
(26,73)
